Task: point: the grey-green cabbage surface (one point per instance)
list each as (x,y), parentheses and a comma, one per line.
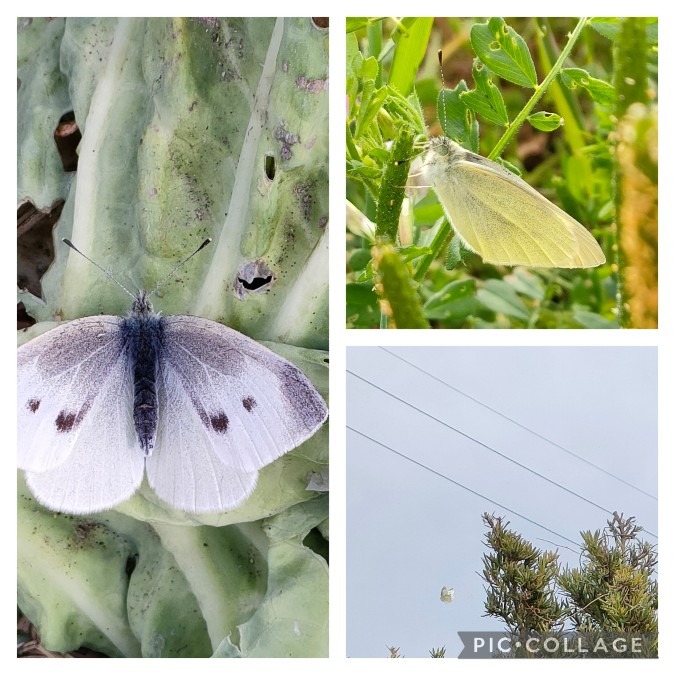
(190,128)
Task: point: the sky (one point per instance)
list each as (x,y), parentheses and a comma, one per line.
(410,532)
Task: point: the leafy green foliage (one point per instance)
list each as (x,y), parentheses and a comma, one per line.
(614,589)
(485,100)
(521,581)
(572,106)
(545,121)
(504,51)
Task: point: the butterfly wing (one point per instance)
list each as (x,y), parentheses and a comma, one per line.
(228,406)
(184,469)
(504,220)
(75,429)
(253,405)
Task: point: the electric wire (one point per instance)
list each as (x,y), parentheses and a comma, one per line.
(519,424)
(460,485)
(488,447)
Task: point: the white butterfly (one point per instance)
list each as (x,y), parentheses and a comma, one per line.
(447,594)
(198,406)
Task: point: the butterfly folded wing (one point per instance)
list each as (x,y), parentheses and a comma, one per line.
(76,436)
(516,225)
(253,405)
(503,219)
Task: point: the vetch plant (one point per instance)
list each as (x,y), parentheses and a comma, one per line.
(528,80)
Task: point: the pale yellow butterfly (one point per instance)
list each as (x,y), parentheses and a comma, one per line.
(500,217)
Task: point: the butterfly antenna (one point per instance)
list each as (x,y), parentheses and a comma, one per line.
(109,274)
(205,243)
(444,112)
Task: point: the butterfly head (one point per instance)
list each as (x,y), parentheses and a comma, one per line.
(142,305)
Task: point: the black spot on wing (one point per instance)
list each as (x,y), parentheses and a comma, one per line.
(219,422)
(249,403)
(33,404)
(65,421)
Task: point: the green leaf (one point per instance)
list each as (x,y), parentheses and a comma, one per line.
(43,88)
(454,303)
(504,52)
(500,297)
(365,115)
(288,620)
(71,578)
(486,100)
(405,109)
(369,68)
(362,306)
(367,273)
(371,103)
(410,50)
(359,259)
(507,165)
(358,169)
(545,121)
(526,283)
(599,90)
(454,256)
(169,98)
(592,320)
(354,57)
(409,253)
(455,117)
(450,294)
(355,23)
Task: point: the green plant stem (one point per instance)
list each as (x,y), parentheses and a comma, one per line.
(539,92)
(374,45)
(392,188)
(397,289)
(439,239)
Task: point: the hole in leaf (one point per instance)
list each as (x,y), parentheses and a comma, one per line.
(23,318)
(253,277)
(316,542)
(320,22)
(35,243)
(255,284)
(270,166)
(132,561)
(67,137)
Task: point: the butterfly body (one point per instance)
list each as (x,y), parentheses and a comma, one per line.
(196,406)
(141,334)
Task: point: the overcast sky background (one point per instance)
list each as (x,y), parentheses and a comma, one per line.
(410,532)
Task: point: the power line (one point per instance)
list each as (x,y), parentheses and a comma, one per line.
(464,487)
(488,447)
(519,424)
